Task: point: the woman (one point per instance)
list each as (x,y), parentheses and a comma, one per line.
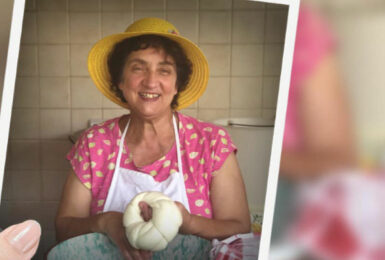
(152,71)
(318,136)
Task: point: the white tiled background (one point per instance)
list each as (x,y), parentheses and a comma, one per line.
(54,96)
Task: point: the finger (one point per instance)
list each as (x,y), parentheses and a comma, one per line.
(126,254)
(145,211)
(136,254)
(146,254)
(179,205)
(20,241)
(124,247)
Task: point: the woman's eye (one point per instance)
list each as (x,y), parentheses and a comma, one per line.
(136,68)
(165,71)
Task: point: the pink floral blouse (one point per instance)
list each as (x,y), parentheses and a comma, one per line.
(204,149)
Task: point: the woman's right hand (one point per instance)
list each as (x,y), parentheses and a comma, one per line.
(112,226)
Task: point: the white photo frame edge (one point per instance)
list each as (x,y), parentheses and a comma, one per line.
(9,82)
(9,87)
(276,148)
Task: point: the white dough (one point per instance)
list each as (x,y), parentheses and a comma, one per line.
(155,234)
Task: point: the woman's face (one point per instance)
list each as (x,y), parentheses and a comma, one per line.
(149,82)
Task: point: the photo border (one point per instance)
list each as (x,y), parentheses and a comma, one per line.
(284,83)
(9,88)
(9,82)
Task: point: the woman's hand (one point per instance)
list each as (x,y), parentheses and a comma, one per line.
(186,227)
(112,225)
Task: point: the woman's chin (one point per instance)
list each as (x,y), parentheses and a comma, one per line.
(153,111)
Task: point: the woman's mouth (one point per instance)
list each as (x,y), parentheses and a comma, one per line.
(149,96)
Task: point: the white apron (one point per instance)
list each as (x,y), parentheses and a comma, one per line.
(126,184)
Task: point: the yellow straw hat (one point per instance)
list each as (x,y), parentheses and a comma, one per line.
(98,56)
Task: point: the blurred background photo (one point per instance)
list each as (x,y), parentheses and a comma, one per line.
(330,201)
(55,99)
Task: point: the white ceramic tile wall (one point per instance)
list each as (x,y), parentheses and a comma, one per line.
(111,113)
(24,155)
(27,64)
(246,93)
(270,92)
(55,97)
(53,27)
(84,27)
(52,184)
(53,60)
(143,14)
(113,22)
(248,27)
(78,59)
(26,92)
(275,26)
(84,94)
(53,154)
(247,60)
(219,58)
(214,26)
(27,181)
(234,112)
(187,22)
(29,27)
(248,5)
(149,5)
(80,118)
(272,59)
(182,4)
(116,5)
(84,5)
(107,104)
(24,123)
(51,5)
(54,92)
(215,4)
(55,123)
(217,94)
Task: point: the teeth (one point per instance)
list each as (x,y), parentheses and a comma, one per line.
(148,95)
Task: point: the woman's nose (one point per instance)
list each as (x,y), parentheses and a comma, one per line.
(150,79)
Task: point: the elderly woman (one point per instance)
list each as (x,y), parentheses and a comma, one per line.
(152,71)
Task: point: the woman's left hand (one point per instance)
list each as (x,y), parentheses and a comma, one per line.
(186,227)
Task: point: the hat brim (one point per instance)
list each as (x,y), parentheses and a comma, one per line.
(97,67)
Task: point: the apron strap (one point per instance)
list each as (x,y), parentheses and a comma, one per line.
(121,144)
(178,153)
(117,166)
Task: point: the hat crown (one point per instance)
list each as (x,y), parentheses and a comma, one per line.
(99,54)
(152,24)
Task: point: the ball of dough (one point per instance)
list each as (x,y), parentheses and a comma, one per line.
(155,234)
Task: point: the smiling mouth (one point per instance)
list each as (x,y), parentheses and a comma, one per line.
(149,95)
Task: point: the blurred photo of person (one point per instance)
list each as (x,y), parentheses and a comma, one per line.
(318,134)
(323,191)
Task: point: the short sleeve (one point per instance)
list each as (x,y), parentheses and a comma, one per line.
(79,158)
(221,147)
(314,40)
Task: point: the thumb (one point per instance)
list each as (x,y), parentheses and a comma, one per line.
(20,241)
